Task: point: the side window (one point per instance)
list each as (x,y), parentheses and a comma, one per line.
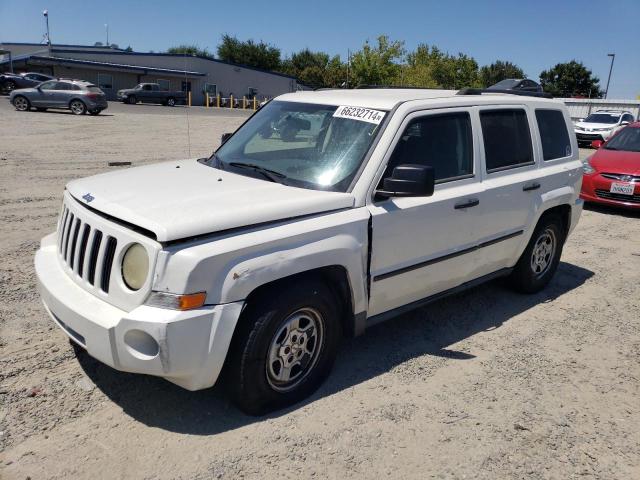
(627,118)
(64,86)
(164,84)
(553,134)
(443,142)
(507,139)
(147,88)
(48,85)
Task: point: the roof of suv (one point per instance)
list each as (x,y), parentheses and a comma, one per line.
(387,98)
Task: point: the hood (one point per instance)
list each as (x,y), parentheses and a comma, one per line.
(590,126)
(616,161)
(185,198)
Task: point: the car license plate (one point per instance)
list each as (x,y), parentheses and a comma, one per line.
(623,188)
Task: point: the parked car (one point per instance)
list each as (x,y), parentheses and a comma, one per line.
(263,256)
(12,81)
(612,174)
(601,125)
(76,95)
(151,93)
(517,84)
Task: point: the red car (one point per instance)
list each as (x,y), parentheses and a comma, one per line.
(612,174)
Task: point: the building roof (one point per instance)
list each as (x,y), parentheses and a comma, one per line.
(116,66)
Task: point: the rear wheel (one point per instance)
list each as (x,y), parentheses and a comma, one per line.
(95,111)
(540,259)
(78,107)
(284,347)
(132,100)
(21,103)
(171,102)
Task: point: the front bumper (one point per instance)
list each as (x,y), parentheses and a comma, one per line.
(191,345)
(595,188)
(590,137)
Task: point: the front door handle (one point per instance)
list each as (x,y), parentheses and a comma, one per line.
(531,186)
(468,204)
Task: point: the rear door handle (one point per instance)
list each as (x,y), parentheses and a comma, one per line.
(468,204)
(531,186)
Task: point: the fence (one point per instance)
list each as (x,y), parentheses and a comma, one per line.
(582,107)
(243,103)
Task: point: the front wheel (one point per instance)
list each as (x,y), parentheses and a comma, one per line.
(10,86)
(540,259)
(171,102)
(78,108)
(21,103)
(284,347)
(132,100)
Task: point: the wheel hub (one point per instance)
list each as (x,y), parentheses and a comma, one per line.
(543,252)
(294,349)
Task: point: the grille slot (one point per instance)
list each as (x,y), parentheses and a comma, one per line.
(83,248)
(74,239)
(93,257)
(67,235)
(109,254)
(618,196)
(61,228)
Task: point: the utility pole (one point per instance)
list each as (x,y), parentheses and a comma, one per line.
(613,57)
(106,26)
(46,16)
(348,65)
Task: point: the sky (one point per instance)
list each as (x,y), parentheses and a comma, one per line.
(533,34)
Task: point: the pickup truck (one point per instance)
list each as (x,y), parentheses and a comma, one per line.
(151,93)
(325,213)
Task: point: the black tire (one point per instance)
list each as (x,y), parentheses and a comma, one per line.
(537,264)
(10,86)
(95,111)
(77,107)
(132,100)
(249,373)
(21,103)
(171,102)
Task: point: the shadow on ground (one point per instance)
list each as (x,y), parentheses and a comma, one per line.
(427,331)
(617,211)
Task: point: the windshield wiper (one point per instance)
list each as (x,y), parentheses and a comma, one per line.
(270,175)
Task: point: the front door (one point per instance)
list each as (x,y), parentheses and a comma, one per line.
(424,245)
(43,97)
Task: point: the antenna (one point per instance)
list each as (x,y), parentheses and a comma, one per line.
(186,92)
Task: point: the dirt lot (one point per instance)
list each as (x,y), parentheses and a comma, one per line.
(487,384)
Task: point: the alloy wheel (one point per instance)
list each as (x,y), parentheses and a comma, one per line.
(543,251)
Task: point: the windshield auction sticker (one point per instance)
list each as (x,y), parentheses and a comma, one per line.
(359,113)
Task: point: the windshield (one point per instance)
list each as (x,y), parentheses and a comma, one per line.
(300,144)
(602,118)
(627,139)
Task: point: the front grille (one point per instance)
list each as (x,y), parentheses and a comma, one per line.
(618,196)
(620,176)
(78,240)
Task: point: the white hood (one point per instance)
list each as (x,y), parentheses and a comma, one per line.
(590,126)
(184,198)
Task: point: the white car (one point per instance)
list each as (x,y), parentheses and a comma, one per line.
(325,213)
(601,125)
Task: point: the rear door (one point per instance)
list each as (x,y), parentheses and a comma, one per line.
(512,185)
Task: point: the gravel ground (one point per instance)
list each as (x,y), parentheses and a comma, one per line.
(487,384)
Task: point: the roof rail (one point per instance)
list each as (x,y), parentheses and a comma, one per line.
(522,93)
(405,87)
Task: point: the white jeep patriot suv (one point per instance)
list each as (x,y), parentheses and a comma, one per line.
(323,214)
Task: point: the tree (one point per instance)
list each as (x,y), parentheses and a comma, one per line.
(192,50)
(250,53)
(308,67)
(335,74)
(569,80)
(498,71)
(431,67)
(377,65)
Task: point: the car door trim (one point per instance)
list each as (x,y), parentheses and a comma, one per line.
(448,256)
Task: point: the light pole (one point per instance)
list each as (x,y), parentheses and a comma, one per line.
(106,26)
(613,57)
(46,17)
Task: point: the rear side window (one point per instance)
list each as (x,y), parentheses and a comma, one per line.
(443,142)
(93,89)
(507,139)
(553,134)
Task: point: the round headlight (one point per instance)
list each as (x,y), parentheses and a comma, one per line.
(135,266)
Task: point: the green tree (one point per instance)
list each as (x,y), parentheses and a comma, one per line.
(431,67)
(308,67)
(250,53)
(570,79)
(379,64)
(190,50)
(335,73)
(498,71)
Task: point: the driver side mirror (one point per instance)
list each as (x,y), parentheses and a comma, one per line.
(225,137)
(409,180)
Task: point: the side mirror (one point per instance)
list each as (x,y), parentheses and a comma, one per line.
(225,137)
(409,180)
(624,123)
(597,144)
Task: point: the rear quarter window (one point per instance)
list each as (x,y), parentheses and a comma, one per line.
(553,134)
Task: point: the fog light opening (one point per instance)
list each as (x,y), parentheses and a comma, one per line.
(141,345)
